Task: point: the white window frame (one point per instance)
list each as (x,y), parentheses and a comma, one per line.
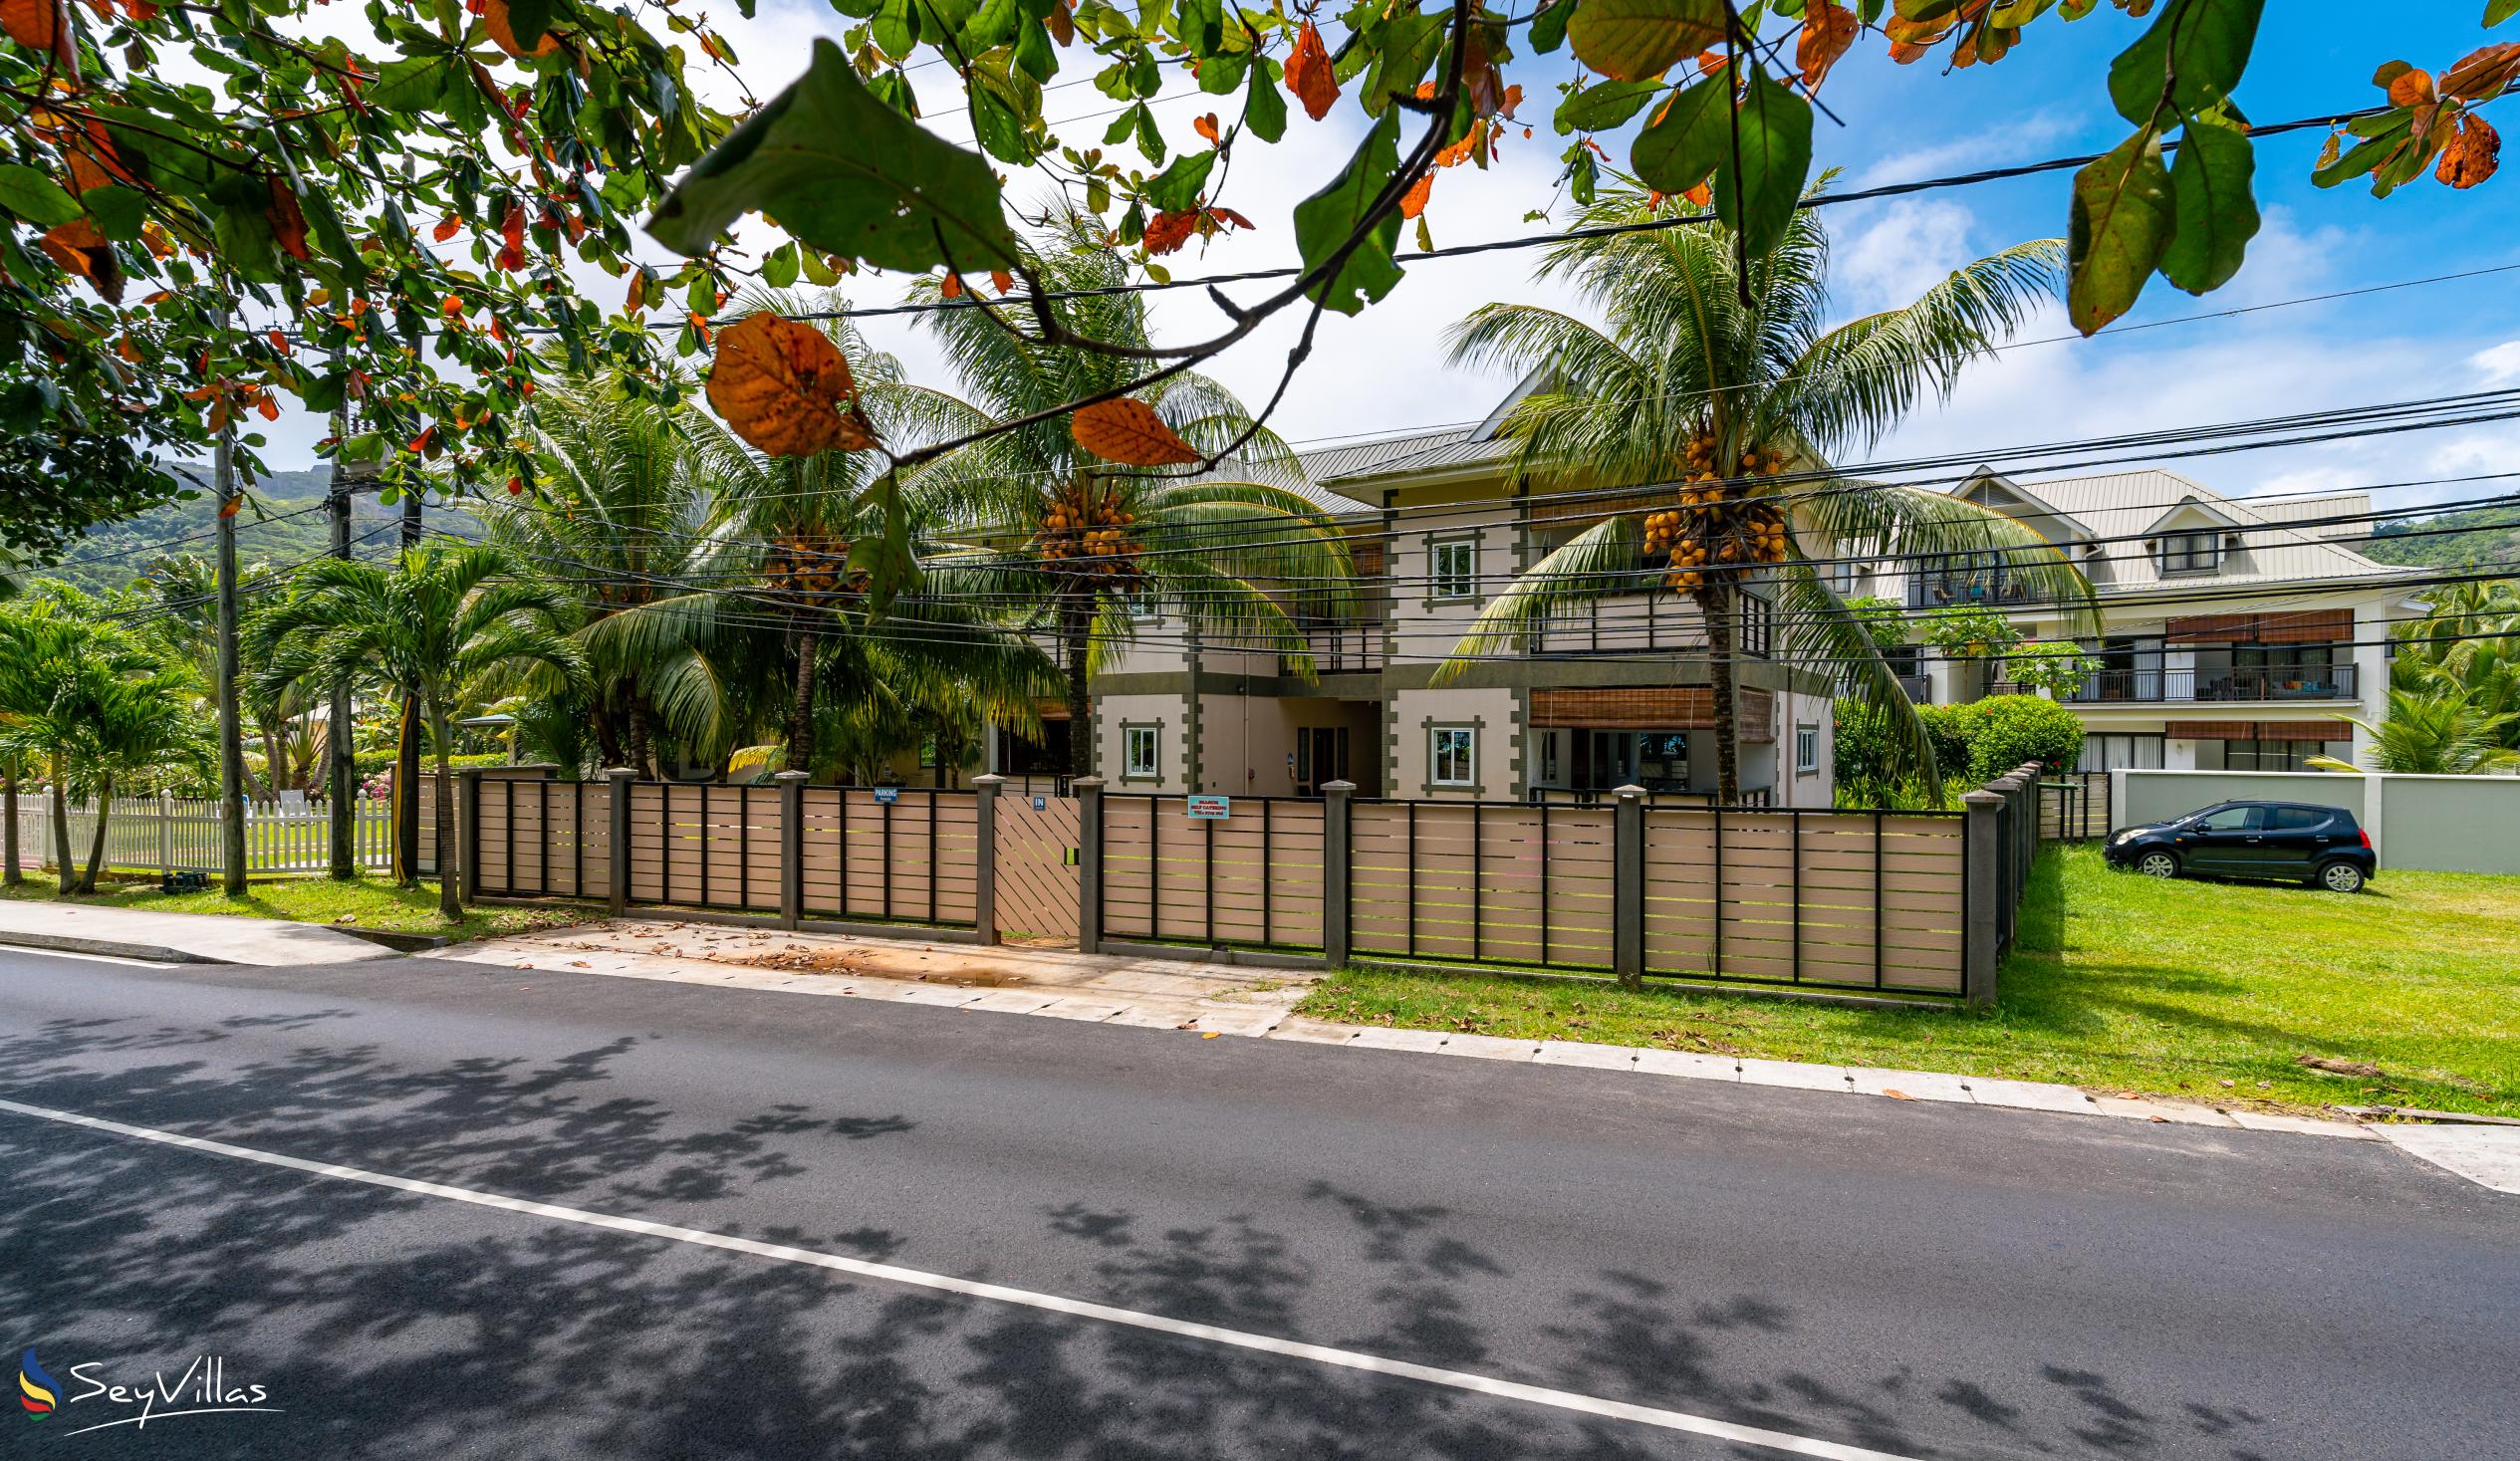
(1806,749)
(1132,769)
(1444,583)
(1436,737)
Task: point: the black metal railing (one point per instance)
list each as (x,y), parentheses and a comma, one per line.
(2249,683)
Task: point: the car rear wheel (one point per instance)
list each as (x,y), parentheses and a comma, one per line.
(2342,877)
(2158,865)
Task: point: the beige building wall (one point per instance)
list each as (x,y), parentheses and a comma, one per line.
(1495,719)
(1113,717)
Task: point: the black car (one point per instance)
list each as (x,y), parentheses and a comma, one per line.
(2320,846)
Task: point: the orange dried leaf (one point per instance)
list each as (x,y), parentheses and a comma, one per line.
(34,24)
(1414,202)
(1206,126)
(952,289)
(1828,28)
(2482,74)
(494,18)
(1002,281)
(1129,431)
(1308,73)
(2412,87)
(2473,155)
(1063,24)
(445,228)
(1167,232)
(786,388)
(288,224)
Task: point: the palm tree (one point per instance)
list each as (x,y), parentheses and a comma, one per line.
(1721,397)
(620,529)
(2435,732)
(437,619)
(98,707)
(1235,550)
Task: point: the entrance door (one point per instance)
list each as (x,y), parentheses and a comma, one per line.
(1613,760)
(1040,885)
(1321,756)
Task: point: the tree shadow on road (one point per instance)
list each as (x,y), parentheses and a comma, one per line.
(392,1325)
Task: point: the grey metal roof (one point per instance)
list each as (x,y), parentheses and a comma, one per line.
(2127,504)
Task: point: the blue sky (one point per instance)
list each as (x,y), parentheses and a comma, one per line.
(1383,371)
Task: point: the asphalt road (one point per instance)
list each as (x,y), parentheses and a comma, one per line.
(1915,1279)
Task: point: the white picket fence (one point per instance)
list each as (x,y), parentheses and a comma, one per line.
(177,834)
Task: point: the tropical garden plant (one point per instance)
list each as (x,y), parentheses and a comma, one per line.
(437,618)
(1078,519)
(1716,397)
(95,708)
(2435,732)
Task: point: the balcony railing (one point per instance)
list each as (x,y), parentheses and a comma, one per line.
(2254,683)
(1344,648)
(1918,689)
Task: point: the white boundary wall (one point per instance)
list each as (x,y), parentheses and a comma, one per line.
(2438,823)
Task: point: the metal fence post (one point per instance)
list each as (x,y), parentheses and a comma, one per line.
(1089,792)
(618,840)
(984,790)
(791,846)
(468,837)
(1981,834)
(1628,887)
(1338,893)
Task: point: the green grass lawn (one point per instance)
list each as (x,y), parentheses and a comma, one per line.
(374,904)
(2203,990)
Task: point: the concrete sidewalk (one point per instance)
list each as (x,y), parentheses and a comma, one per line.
(178,938)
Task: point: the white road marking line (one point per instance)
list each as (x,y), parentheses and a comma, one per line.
(1674,1420)
(45,953)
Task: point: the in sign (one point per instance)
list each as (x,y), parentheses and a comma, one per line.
(1041,804)
(1214,809)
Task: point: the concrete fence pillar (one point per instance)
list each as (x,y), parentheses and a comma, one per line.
(1089,794)
(468,835)
(1338,891)
(618,896)
(791,786)
(984,794)
(1982,936)
(1628,887)
(165,835)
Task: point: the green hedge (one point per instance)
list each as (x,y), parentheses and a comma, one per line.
(1972,744)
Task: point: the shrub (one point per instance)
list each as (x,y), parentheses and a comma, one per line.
(1972,745)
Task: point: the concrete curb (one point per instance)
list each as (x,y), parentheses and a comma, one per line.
(107,947)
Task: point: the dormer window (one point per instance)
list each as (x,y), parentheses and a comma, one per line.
(2198,552)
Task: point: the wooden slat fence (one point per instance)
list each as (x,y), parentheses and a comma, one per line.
(1488,881)
(1867,899)
(911,861)
(2074,806)
(546,838)
(1253,880)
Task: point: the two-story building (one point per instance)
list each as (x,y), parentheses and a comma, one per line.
(1614,693)
(2234,631)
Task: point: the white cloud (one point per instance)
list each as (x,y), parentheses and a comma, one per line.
(2500,365)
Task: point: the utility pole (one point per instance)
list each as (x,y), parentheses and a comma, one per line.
(407,761)
(231,730)
(336,734)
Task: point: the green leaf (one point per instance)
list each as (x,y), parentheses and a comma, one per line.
(2498,11)
(1608,105)
(1179,185)
(2123,219)
(818,270)
(2217,216)
(2364,155)
(895,28)
(1762,175)
(1632,40)
(1410,45)
(1264,110)
(1325,221)
(35,197)
(844,173)
(1688,138)
(528,19)
(1150,139)
(413,83)
(779,267)
(1547,29)
(1222,76)
(2209,41)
